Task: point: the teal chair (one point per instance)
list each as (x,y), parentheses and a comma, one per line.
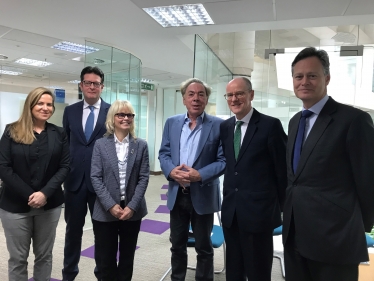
(369,240)
(217,241)
(278,231)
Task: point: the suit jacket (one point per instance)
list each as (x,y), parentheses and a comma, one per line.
(106,183)
(331,195)
(209,162)
(80,149)
(254,185)
(15,171)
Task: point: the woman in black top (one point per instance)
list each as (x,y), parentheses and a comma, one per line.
(34,162)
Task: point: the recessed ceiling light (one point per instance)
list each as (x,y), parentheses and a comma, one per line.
(74,81)
(38,63)
(53,87)
(9,72)
(146,80)
(74,48)
(180,15)
(3,57)
(77,59)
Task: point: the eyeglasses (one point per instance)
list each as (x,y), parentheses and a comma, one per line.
(237,95)
(123,115)
(89,83)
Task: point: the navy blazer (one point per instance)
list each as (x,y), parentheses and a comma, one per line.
(80,148)
(254,186)
(331,195)
(15,171)
(106,182)
(209,162)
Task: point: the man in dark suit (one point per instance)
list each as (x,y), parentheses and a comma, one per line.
(254,145)
(84,123)
(330,196)
(191,159)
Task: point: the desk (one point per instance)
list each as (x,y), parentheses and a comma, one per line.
(366,272)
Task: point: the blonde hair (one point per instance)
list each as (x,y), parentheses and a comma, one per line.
(116,107)
(21,131)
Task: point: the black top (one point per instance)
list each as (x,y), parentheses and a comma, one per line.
(38,160)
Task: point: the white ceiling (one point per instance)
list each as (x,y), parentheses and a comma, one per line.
(29,28)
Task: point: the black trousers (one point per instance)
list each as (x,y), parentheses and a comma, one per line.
(299,268)
(107,234)
(75,213)
(181,216)
(249,256)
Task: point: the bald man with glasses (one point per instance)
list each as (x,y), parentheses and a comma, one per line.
(254,186)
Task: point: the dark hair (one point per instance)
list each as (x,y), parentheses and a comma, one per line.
(313,52)
(188,82)
(94,70)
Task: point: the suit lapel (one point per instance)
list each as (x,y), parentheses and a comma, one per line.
(292,132)
(100,120)
(251,129)
(319,127)
(205,131)
(230,138)
(51,132)
(131,156)
(78,115)
(176,139)
(110,148)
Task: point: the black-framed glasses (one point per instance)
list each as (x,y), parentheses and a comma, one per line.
(237,95)
(123,115)
(89,83)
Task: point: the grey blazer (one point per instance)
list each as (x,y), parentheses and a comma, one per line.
(105,178)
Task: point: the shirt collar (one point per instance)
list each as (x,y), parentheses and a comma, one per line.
(200,117)
(316,109)
(125,140)
(246,118)
(96,104)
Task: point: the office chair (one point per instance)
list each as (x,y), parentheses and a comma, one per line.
(278,231)
(217,241)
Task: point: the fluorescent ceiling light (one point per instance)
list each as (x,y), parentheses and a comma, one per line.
(74,81)
(38,63)
(9,72)
(77,59)
(53,87)
(146,80)
(74,48)
(180,15)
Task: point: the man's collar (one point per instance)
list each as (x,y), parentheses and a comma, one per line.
(96,104)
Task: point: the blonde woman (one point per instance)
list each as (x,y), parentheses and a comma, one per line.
(119,175)
(34,162)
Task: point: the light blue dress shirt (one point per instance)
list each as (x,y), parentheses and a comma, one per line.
(190,140)
(316,109)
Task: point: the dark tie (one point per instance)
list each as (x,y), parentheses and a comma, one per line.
(237,138)
(88,129)
(300,138)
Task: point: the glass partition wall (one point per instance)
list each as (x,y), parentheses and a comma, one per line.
(122,79)
(351,52)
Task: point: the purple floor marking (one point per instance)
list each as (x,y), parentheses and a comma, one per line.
(164,197)
(155,227)
(52,279)
(165,186)
(162,209)
(90,252)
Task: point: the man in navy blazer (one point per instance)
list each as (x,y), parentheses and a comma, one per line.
(192,160)
(330,195)
(254,184)
(84,123)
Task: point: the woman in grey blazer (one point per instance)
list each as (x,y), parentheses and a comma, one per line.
(119,175)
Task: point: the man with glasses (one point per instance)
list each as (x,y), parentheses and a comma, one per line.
(254,186)
(84,123)
(191,159)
